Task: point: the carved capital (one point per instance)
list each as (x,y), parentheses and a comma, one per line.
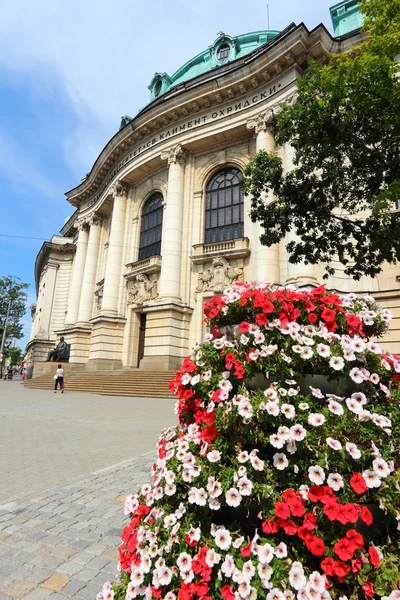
(262,122)
(81,224)
(119,188)
(95,219)
(177,154)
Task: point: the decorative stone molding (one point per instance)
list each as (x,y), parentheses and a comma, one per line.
(236,249)
(81,224)
(176,154)
(142,289)
(148,265)
(119,188)
(95,219)
(98,294)
(217,277)
(266,120)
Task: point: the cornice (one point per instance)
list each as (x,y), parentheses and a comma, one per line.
(295,46)
(44,253)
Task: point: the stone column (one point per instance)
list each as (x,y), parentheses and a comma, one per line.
(266,258)
(115,251)
(300,273)
(89,275)
(77,272)
(170,278)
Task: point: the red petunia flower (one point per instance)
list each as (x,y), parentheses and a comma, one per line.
(282,510)
(246,550)
(312,317)
(209,434)
(355,539)
(270,526)
(316,546)
(358,483)
(366,515)
(296,508)
(374,556)
(368,589)
(341,569)
(261,319)
(343,548)
(328,565)
(227,593)
(244,326)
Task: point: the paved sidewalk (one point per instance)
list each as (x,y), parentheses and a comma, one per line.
(47,439)
(62,543)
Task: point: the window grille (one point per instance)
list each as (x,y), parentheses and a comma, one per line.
(151,227)
(224,207)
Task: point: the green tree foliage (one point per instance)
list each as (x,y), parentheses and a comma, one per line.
(15,355)
(12,288)
(345,133)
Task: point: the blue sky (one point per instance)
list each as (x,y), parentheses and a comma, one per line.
(69,69)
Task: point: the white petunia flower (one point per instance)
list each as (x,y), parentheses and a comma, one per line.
(381,467)
(354,406)
(272,408)
(245,486)
(353,450)
(257,463)
(243,456)
(184,562)
(297,433)
(316,419)
(335,407)
(265,553)
(276,441)
(334,444)
(335,481)
(337,363)
(297,578)
(306,352)
(372,479)
(356,375)
(280,461)
(281,550)
(289,411)
(233,497)
(214,456)
(323,350)
(316,474)
(223,539)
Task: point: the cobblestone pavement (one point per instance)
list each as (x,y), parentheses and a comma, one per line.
(62,543)
(48,439)
(61,502)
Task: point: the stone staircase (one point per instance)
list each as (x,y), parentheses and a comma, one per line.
(134,383)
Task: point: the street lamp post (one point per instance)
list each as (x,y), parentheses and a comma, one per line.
(4,338)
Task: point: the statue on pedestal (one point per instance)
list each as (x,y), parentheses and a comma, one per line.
(60,352)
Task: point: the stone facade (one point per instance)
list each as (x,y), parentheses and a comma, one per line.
(117,310)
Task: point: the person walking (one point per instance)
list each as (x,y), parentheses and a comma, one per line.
(59,379)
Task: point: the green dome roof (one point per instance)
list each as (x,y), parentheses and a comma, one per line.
(224,50)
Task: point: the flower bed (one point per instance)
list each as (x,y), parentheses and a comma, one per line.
(273,493)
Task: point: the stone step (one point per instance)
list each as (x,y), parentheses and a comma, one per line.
(137,383)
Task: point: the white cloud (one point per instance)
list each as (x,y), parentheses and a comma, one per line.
(101,55)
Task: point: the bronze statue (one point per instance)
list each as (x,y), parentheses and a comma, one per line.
(60,352)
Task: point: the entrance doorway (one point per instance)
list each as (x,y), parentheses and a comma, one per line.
(142,337)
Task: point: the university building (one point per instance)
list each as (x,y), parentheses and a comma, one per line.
(161,224)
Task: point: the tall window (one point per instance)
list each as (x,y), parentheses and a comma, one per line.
(224,207)
(151,227)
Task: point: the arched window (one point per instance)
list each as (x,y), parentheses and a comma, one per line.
(223,52)
(151,227)
(224,207)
